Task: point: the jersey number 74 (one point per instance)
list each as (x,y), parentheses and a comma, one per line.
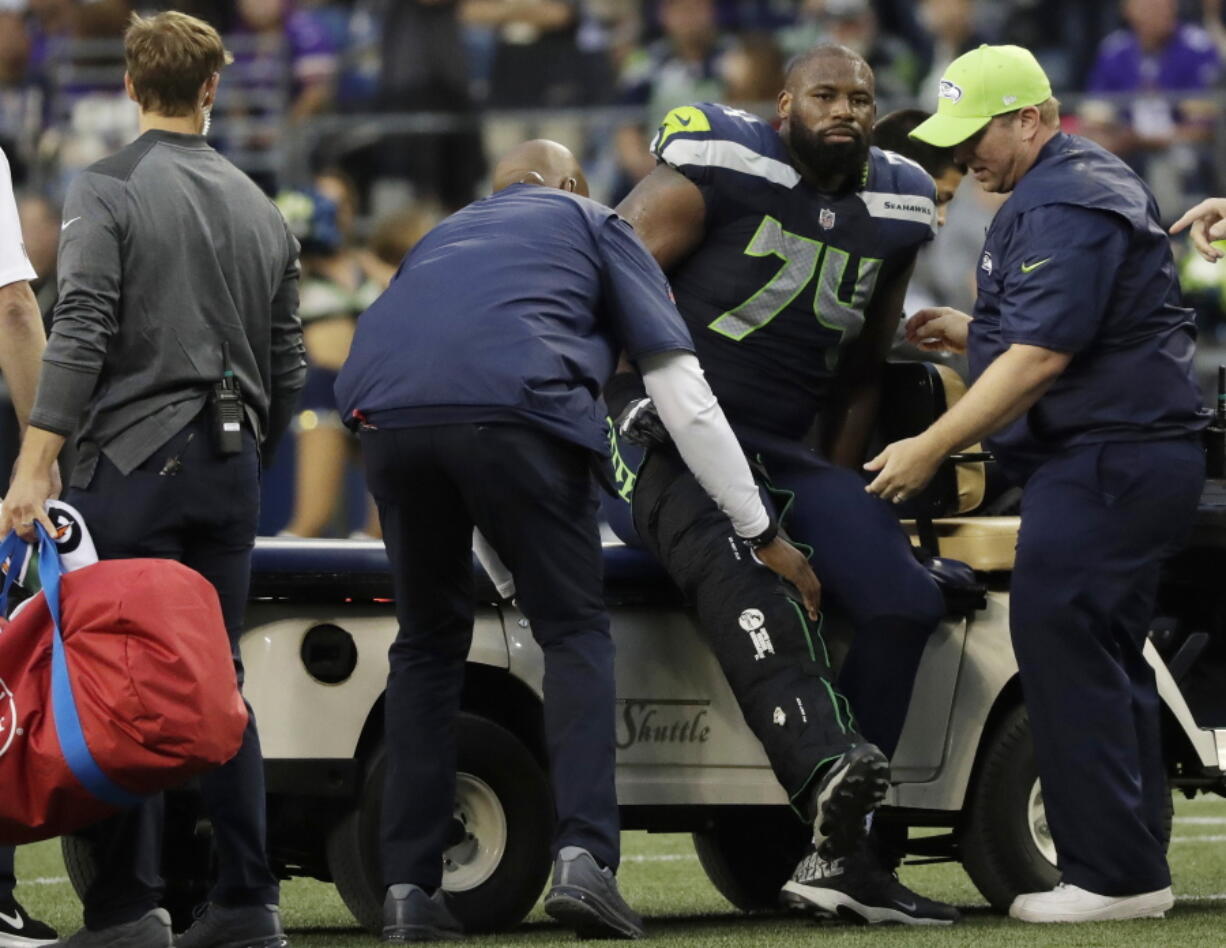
(805,262)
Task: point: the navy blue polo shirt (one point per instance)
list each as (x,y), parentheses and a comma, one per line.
(1077,262)
(513,309)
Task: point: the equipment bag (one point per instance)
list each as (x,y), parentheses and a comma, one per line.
(116,682)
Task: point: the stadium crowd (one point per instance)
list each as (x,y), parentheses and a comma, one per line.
(61,100)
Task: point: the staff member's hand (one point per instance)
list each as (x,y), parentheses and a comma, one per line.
(1208,221)
(939,328)
(905,468)
(23,505)
(780,556)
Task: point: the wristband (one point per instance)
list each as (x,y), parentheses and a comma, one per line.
(764,538)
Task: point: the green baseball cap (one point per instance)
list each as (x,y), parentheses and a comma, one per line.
(978,85)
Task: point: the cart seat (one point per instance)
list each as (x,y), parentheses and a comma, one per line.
(914,395)
(313,570)
(986,544)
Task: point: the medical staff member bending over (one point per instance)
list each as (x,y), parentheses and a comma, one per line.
(475,382)
(1082,359)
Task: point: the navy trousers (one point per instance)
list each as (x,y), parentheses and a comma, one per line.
(186,504)
(868,571)
(533,497)
(1096,523)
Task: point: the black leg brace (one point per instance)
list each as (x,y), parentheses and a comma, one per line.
(774,658)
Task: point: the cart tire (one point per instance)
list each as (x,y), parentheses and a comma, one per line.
(749,857)
(496,872)
(1004,841)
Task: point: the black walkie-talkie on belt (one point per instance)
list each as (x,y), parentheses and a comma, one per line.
(226,409)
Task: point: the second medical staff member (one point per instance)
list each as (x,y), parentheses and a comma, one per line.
(1082,360)
(476,380)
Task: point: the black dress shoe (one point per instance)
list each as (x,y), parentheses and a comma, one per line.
(410,914)
(240,926)
(585,897)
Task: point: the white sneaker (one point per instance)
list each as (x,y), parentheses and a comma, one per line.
(1070,903)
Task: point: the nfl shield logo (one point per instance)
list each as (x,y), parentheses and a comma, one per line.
(826,218)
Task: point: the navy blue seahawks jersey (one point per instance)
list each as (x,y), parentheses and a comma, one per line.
(778,288)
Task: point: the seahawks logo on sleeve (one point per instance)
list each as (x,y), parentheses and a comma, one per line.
(705,140)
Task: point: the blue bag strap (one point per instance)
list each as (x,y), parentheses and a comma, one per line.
(14,549)
(67,721)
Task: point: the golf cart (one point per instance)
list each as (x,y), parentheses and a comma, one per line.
(321,619)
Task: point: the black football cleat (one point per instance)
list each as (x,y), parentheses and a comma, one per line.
(857,889)
(850,790)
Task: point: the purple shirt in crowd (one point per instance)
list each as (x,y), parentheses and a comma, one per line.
(1189,61)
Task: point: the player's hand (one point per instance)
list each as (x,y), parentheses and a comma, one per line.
(23,506)
(905,469)
(780,556)
(939,328)
(639,423)
(1208,221)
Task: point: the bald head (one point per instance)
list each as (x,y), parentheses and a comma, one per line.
(823,56)
(540,162)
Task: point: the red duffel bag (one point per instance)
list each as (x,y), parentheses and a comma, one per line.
(126,690)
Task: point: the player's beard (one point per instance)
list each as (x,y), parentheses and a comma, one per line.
(826,160)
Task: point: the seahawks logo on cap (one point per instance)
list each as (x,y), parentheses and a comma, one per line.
(950,90)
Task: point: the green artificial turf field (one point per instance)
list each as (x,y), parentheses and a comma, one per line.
(662,879)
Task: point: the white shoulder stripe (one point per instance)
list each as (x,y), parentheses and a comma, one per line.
(895,158)
(717,153)
(901,207)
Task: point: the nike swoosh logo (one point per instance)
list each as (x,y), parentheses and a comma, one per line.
(905,906)
(1028,267)
(14,921)
(683,121)
(64,226)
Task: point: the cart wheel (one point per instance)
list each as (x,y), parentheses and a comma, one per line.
(497,867)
